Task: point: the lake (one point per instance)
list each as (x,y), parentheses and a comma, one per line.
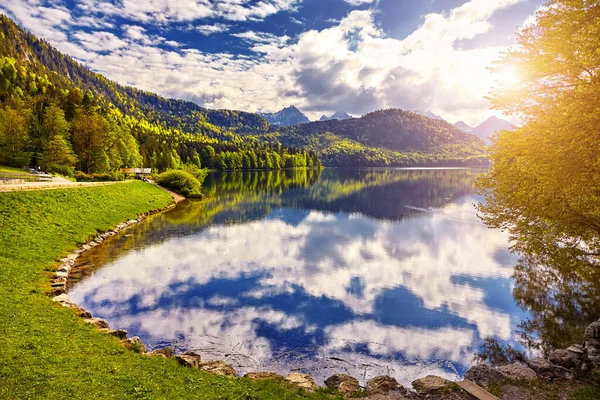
(365,272)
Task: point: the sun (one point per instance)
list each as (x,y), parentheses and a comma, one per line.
(508,76)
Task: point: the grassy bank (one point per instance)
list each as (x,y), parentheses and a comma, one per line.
(46,351)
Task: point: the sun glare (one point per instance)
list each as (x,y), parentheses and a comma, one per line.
(508,76)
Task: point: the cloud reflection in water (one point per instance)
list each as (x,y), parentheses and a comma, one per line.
(343,291)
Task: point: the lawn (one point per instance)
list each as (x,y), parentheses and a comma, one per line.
(46,351)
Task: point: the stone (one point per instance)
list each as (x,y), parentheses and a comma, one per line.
(217,367)
(132,221)
(168,352)
(63,298)
(84,314)
(257,376)
(59,285)
(484,375)
(430,384)
(592,341)
(577,349)
(383,384)
(344,384)
(120,333)
(548,371)
(64,268)
(566,358)
(62,274)
(135,342)
(98,322)
(518,372)
(189,360)
(302,380)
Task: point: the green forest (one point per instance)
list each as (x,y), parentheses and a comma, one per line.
(382,138)
(56,114)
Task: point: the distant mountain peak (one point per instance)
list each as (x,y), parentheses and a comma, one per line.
(289,116)
(463,127)
(428,114)
(490,126)
(339,115)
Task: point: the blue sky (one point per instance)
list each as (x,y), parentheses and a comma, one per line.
(262,55)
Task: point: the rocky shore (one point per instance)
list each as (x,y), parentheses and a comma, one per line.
(563,365)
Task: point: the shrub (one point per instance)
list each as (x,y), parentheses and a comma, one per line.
(103,177)
(181,182)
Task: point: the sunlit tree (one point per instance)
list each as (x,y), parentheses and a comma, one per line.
(544,183)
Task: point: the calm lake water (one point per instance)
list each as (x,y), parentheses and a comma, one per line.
(355,271)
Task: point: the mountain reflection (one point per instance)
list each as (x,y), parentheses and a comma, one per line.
(363,272)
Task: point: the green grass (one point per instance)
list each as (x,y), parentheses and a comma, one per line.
(4,168)
(46,351)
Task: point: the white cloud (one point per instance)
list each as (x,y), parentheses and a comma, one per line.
(351,66)
(359,2)
(209,29)
(164,11)
(100,41)
(321,256)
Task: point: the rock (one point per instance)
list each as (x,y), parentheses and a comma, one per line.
(430,384)
(592,341)
(135,342)
(98,322)
(64,268)
(484,375)
(566,358)
(257,376)
(62,274)
(577,349)
(168,352)
(120,333)
(217,367)
(344,384)
(302,380)
(63,298)
(548,371)
(83,313)
(189,359)
(383,384)
(59,285)
(518,371)
(132,221)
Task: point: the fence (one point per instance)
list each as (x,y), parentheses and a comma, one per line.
(9,176)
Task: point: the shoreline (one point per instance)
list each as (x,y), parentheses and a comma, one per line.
(475,382)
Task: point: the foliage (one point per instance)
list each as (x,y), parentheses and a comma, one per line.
(544,184)
(50,353)
(384,138)
(181,182)
(496,353)
(102,177)
(60,115)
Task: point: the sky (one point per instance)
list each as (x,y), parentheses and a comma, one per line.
(322,56)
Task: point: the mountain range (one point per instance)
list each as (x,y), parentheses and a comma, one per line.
(287,117)
(339,115)
(164,133)
(487,128)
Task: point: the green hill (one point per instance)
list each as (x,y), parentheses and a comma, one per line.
(382,138)
(63,116)
(66,117)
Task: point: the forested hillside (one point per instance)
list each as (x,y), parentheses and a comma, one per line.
(382,138)
(57,114)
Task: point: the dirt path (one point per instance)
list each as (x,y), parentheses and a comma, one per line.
(51,185)
(176,196)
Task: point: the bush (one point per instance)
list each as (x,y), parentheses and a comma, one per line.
(103,177)
(181,182)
